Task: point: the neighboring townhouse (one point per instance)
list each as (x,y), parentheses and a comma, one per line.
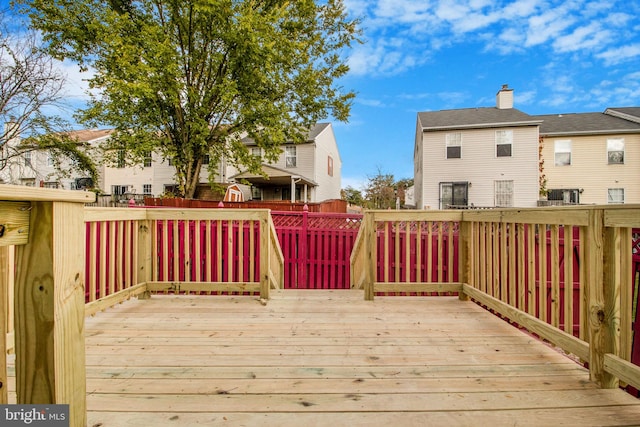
(38,168)
(309,171)
(591,157)
(480,157)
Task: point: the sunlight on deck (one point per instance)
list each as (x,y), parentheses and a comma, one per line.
(331,358)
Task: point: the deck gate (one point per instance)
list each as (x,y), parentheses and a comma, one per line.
(316,248)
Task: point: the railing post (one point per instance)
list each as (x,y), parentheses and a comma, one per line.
(49,301)
(265,255)
(5,279)
(145,248)
(465,255)
(303,242)
(603,317)
(371,257)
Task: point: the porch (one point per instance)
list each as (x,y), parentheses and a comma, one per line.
(331,358)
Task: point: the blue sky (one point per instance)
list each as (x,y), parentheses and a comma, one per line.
(559,56)
(425,55)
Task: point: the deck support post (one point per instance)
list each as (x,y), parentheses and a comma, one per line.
(601,291)
(49,309)
(6,277)
(265,255)
(370,245)
(465,256)
(145,249)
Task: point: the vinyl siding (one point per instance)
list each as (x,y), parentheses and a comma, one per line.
(589,169)
(418,164)
(328,186)
(480,167)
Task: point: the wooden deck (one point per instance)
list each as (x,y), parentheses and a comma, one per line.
(317,358)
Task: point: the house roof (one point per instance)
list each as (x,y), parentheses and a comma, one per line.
(316,130)
(468,118)
(627,113)
(274,176)
(88,135)
(585,124)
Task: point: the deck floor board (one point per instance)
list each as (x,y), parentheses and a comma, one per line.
(329,358)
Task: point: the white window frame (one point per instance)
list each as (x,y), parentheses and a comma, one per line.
(290,156)
(562,147)
(147,189)
(256,152)
(28,159)
(615,195)
(615,145)
(503,193)
(504,137)
(453,140)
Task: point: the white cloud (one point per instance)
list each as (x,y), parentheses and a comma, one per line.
(587,37)
(370,102)
(617,55)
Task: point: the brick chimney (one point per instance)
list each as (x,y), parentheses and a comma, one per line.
(504,98)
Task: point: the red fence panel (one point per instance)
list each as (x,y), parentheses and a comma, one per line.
(316,248)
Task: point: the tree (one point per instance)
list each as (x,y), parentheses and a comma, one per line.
(190,78)
(382,191)
(352,196)
(30,87)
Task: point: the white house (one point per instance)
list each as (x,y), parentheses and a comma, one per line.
(309,171)
(477,156)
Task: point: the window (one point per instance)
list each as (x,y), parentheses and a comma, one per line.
(504,194)
(615,195)
(454,145)
(206,159)
(615,151)
(147,159)
(51,184)
(504,141)
(562,150)
(118,190)
(146,189)
(256,152)
(27,158)
(330,166)
(256,193)
(170,161)
(290,155)
(453,194)
(569,196)
(120,162)
(50,160)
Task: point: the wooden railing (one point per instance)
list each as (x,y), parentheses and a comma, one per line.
(135,251)
(63,261)
(564,274)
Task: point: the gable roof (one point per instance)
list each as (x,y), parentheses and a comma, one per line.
(88,135)
(585,124)
(627,113)
(315,131)
(472,118)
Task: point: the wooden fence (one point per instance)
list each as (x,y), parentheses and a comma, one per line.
(506,259)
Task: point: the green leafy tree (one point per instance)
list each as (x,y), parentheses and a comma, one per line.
(382,191)
(190,78)
(352,196)
(30,88)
